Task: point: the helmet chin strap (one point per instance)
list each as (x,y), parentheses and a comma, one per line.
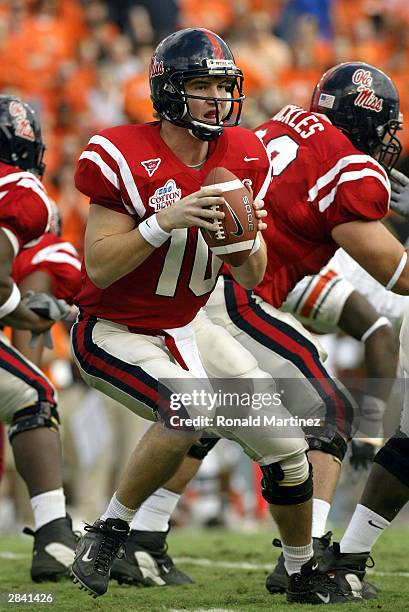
(205,132)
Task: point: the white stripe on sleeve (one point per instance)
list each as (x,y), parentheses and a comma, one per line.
(126,173)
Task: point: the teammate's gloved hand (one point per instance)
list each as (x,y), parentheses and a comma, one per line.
(400,192)
(362,454)
(47,307)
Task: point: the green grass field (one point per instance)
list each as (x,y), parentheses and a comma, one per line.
(229,570)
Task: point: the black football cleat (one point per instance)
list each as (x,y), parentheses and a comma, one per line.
(95,554)
(277,580)
(53,550)
(146,562)
(312,586)
(348,571)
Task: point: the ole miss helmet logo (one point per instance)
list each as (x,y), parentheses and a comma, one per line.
(156,68)
(366,97)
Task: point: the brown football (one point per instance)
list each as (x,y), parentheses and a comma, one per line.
(234,239)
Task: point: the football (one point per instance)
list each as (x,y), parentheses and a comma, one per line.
(234,238)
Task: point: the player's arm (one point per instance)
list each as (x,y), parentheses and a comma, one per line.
(114,246)
(37,281)
(251,273)
(12,311)
(377,251)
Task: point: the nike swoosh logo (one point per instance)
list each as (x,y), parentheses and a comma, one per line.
(115,529)
(314,567)
(324,598)
(373,525)
(239,228)
(247,159)
(86,557)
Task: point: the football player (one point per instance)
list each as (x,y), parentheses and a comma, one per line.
(28,398)
(387,488)
(335,159)
(146,274)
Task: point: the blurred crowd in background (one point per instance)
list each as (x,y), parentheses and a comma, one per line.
(84,66)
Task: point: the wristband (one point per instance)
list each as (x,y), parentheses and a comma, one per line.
(398,272)
(256,245)
(152,232)
(11,303)
(381,322)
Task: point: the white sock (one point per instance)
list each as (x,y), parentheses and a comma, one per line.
(116,510)
(363,530)
(320,511)
(48,507)
(296,556)
(155,512)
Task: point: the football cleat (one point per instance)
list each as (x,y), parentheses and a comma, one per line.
(96,552)
(53,550)
(277,580)
(312,586)
(146,562)
(348,571)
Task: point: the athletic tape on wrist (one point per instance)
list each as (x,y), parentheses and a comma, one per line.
(256,245)
(397,272)
(11,303)
(152,232)
(378,323)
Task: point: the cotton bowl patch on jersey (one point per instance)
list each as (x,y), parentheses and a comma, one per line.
(165,196)
(235,236)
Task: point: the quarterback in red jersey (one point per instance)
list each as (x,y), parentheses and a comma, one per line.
(147,273)
(28,398)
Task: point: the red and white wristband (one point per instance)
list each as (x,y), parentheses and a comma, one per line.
(152,232)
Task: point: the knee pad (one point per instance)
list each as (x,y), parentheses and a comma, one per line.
(394,457)
(327,441)
(42,414)
(287,482)
(202,447)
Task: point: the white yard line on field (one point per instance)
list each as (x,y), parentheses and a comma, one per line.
(257,566)
(241,565)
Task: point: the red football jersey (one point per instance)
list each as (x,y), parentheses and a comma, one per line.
(131,170)
(56,257)
(320,180)
(24,206)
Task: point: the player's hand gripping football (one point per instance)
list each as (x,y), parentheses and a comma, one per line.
(193,210)
(261,214)
(400,192)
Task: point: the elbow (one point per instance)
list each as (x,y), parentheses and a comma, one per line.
(97,277)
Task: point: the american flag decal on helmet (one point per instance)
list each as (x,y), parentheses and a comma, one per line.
(326,100)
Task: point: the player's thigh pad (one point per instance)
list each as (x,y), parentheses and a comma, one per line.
(127,367)
(22,384)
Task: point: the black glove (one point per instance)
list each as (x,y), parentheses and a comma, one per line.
(362,454)
(400,192)
(48,307)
